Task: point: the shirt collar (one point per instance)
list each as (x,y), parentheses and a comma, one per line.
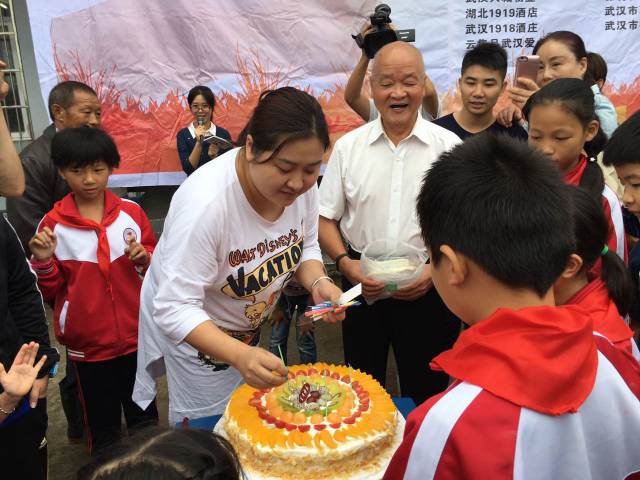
(420,130)
(192,130)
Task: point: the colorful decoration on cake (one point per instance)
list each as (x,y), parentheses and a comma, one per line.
(326,419)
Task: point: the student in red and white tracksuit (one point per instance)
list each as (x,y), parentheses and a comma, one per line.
(529,403)
(534,397)
(92,269)
(606,297)
(616,239)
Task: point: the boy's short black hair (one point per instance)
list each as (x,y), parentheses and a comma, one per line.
(63,94)
(488,55)
(504,206)
(624,146)
(84,146)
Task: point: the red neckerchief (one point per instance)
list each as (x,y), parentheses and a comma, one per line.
(573,177)
(595,299)
(66,212)
(541,358)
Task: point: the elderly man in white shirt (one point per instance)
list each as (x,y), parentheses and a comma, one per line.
(368,193)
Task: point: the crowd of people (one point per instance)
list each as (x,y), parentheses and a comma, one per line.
(515,341)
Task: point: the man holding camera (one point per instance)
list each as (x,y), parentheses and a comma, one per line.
(375,34)
(368,193)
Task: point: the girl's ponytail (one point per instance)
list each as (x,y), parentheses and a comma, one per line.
(617,278)
(591,231)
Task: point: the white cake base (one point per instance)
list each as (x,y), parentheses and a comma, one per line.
(364,475)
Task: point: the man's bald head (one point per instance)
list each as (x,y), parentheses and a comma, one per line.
(397,53)
(397,86)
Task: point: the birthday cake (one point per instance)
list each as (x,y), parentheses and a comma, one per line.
(325,422)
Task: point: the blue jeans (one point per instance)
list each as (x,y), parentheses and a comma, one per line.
(280,332)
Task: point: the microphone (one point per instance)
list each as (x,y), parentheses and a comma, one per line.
(200,121)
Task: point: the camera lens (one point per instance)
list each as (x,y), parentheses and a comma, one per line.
(383,9)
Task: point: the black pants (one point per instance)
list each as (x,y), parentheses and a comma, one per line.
(23,448)
(417,331)
(105,389)
(70,399)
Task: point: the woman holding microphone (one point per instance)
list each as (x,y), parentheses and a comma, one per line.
(237,231)
(193,151)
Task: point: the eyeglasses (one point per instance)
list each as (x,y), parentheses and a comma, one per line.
(197,108)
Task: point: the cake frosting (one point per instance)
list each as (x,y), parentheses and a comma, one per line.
(325,422)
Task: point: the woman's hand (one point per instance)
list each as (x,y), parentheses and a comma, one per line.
(213,150)
(508,115)
(20,378)
(260,368)
(200,131)
(326,291)
(521,91)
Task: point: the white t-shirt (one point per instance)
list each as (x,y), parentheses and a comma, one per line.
(217,259)
(370,185)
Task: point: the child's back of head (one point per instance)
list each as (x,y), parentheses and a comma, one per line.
(502,205)
(168,454)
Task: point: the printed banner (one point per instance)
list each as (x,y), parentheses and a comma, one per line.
(143,56)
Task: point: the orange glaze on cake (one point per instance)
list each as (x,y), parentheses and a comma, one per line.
(327,418)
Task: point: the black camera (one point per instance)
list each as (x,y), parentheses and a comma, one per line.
(381,32)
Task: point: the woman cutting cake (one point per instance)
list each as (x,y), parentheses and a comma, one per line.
(237,230)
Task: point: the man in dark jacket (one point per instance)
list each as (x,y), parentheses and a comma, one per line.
(71,104)
(23,452)
(22,320)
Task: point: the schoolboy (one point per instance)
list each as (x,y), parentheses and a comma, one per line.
(88,254)
(481,83)
(622,152)
(533,397)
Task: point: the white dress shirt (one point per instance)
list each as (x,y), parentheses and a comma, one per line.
(371,185)
(192,130)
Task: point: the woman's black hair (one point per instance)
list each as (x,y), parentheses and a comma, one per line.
(82,147)
(283,115)
(591,230)
(576,98)
(574,42)
(597,67)
(167,454)
(206,93)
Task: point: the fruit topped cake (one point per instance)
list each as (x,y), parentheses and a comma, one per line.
(326,421)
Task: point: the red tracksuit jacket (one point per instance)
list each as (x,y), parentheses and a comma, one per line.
(616,240)
(95,286)
(535,399)
(594,298)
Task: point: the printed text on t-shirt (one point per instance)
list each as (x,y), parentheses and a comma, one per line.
(238,257)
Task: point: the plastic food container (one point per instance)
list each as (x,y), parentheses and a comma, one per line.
(394,263)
